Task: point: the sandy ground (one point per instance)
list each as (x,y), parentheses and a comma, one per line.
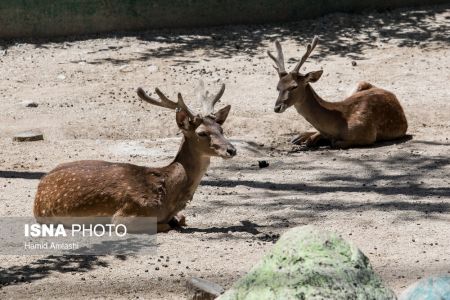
(391,200)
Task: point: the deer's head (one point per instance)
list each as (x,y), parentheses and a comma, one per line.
(203,131)
(292,85)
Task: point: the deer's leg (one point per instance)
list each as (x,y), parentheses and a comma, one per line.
(138,225)
(181,219)
(178,220)
(302,137)
(131,215)
(368,138)
(314,140)
(359,134)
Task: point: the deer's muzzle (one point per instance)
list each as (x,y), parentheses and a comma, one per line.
(280,108)
(231,151)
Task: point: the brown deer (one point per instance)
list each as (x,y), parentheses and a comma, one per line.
(119,190)
(368,115)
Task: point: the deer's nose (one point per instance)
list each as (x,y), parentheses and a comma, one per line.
(231,151)
(280,108)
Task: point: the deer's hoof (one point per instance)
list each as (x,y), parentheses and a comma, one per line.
(181,219)
(296,140)
(302,138)
(178,221)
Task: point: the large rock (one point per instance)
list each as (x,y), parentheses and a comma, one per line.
(431,288)
(201,289)
(309,264)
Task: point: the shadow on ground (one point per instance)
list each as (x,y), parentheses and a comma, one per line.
(400,182)
(21,174)
(44,267)
(324,143)
(246,226)
(342,34)
(77,261)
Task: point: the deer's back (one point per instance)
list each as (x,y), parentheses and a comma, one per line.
(375,107)
(100,188)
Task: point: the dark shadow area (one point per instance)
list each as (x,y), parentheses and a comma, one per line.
(22,174)
(413,190)
(432,143)
(339,33)
(330,205)
(246,226)
(326,144)
(342,34)
(44,267)
(81,260)
(399,141)
(381,176)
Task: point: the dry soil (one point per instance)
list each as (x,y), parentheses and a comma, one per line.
(391,200)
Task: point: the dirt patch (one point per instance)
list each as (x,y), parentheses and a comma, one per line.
(391,200)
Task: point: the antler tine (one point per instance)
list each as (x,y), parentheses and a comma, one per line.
(166,102)
(183,106)
(208,102)
(279,61)
(309,49)
(163,102)
(218,95)
(280,56)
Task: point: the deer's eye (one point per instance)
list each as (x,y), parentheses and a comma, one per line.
(202,134)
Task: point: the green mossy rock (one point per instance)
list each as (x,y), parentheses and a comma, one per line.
(310,264)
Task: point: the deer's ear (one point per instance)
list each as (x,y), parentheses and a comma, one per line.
(313,76)
(183,120)
(222,114)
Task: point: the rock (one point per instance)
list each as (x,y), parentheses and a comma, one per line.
(28,103)
(263,164)
(152,68)
(354,63)
(430,288)
(126,69)
(61,76)
(201,289)
(306,263)
(28,136)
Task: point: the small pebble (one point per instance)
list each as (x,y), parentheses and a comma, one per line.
(263,164)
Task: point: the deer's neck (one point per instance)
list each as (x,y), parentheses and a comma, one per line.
(194,164)
(320,113)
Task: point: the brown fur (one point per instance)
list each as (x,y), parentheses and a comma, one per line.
(367,116)
(99,188)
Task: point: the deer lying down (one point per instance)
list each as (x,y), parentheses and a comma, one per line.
(369,115)
(99,188)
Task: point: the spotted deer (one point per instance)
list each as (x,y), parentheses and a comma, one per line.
(118,190)
(368,115)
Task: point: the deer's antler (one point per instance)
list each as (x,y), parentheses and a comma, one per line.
(166,102)
(208,101)
(279,60)
(309,49)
